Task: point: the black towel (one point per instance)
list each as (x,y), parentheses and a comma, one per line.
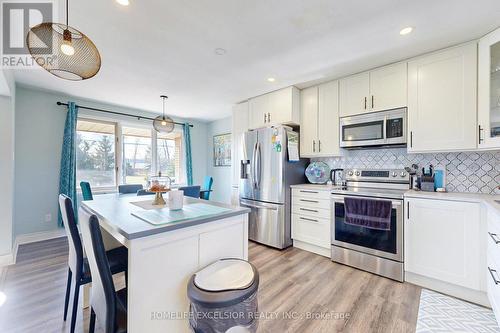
(369,213)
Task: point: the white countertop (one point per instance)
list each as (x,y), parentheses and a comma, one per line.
(319,187)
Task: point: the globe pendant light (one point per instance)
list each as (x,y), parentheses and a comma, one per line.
(72,55)
(163,124)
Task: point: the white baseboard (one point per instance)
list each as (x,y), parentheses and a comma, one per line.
(312,248)
(10,259)
(470,295)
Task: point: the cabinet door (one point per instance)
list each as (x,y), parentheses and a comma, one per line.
(284,107)
(388,87)
(354,91)
(259,108)
(442,241)
(238,127)
(442,100)
(328,119)
(489,90)
(308,121)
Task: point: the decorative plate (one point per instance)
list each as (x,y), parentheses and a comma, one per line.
(318,172)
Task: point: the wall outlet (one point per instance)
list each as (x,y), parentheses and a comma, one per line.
(48,217)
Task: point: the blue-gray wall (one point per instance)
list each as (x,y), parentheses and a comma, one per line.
(221,175)
(39,127)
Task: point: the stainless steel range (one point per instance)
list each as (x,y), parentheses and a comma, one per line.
(367,230)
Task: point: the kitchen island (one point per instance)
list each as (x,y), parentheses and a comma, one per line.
(162,258)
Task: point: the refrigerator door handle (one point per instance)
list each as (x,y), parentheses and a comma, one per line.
(258,205)
(253,167)
(258,162)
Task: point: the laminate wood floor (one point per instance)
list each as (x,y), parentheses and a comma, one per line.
(299,292)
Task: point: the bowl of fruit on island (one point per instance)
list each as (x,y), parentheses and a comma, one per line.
(158,185)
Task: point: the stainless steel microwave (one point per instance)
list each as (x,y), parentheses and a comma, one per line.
(384,128)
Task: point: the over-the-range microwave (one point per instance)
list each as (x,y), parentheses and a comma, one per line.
(376,129)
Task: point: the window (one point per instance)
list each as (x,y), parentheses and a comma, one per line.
(168,147)
(95,153)
(137,155)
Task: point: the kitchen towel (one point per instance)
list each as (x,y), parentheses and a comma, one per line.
(369,213)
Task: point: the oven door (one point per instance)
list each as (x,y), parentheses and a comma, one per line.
(382,243)
(362,130)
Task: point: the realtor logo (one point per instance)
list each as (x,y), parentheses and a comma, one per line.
(17,19)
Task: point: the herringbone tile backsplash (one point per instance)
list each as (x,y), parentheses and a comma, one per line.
(475,172)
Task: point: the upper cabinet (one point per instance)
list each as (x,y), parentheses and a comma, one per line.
(383,88)
(319,119)
(278,107)
(489,91)
(442,100)
(239,126)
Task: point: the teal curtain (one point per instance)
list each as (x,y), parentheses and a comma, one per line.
(187,149)
(67,175)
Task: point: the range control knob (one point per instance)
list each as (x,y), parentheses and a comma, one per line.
(403,174)
(394,173)
(358,173)
(350,173)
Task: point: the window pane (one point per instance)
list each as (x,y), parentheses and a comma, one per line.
(169,155)
(95,153)
(136,155)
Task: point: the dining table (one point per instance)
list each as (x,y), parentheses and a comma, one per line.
(165,248)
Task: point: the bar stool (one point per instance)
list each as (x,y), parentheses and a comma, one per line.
(223,297)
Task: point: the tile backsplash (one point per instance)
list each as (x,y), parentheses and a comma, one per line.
(475,172)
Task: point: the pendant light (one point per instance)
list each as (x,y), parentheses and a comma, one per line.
(163,124)
(73,55)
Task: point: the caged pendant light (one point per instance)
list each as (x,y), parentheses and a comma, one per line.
(73,56)
(163,124)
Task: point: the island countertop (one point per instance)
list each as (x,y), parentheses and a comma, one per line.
(115,210)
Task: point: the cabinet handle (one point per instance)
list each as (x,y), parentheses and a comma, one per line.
(365,102)
(313,201)
(408,210)
(314,146)
(480,129)
(319,145)
(372,102)
(306,191)
(309,210)
(493,275)
(494,237)
(305,218)
(411,139)
(265,118)
(268,117)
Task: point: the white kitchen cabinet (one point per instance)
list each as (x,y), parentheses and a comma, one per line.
(275,108)
(354,92)
(311,219)
(239,126)
(492,270)
(442,241)
(388,87)
(489,91)
(319,130)
(442,100)
(308,121)
(380,89)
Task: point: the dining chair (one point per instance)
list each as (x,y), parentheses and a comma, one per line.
(106,304)
(191,191)
(142,192)
(86,191)
(207,188)
(78,266)
(129,188)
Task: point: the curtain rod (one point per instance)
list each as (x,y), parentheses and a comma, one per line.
(118,113)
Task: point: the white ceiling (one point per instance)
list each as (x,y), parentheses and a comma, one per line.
(167,47)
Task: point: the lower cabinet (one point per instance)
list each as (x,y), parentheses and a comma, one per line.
(444,247)
(492,271)
(311,220)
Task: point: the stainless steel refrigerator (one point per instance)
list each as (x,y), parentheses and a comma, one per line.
(266,174)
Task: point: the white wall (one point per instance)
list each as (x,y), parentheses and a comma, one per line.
(221,175)
(7,114)
(39,131)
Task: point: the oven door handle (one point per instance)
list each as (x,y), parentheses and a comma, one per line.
(340,199)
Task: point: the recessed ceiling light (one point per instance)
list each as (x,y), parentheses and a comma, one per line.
(220,51)
(406,31)
(271,79)
(123,2)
